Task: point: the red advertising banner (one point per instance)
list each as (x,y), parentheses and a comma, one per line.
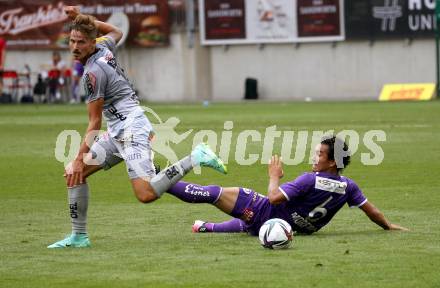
(319,18)
(224,19)
(224,22)
(41,24)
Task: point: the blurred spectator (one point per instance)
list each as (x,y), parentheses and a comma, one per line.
(77,72)
(2,61)
(55,72)
(40,90)
(24,84)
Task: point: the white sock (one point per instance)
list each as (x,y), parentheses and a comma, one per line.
(168,177)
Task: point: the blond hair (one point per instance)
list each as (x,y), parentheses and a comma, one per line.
(86,25)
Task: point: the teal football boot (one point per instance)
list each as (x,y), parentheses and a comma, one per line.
(202,155)
(72,241)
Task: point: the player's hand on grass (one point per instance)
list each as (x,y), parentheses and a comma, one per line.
(71,12)
(397,227)
(275,167)
(75,175)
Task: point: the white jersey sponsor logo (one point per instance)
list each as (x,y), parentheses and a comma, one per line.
(196,190)
(330,185)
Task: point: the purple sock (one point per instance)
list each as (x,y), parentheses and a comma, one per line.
(234,225)
(194,193)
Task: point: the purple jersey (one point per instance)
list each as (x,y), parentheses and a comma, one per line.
(312,201)
(314,198)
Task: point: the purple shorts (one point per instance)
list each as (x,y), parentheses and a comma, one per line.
(253,208)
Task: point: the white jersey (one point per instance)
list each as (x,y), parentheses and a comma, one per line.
(103,78)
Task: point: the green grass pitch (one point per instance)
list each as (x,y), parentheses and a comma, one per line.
(136,245)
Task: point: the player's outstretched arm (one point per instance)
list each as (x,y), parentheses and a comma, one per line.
(105,29)
(377,217)
(275,171)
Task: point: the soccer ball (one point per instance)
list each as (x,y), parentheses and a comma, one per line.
(275,234)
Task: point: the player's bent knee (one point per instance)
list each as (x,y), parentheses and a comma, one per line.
(146,196)
(88,170)
(143,190)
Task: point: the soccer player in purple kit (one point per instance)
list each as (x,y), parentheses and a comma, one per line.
(307,203)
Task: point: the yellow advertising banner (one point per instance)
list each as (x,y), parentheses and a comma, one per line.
(415,91)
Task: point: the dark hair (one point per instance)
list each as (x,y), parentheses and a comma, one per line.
(332,142)
(86,25)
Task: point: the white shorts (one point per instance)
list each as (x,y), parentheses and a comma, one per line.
(135,151)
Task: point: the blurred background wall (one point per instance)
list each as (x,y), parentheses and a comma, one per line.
(353,69)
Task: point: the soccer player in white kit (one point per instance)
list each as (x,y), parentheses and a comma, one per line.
(110,95)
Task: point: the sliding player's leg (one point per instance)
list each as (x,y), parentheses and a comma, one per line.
(223,198)
(243,204)
(249,209)
(147,190)
(234,225)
